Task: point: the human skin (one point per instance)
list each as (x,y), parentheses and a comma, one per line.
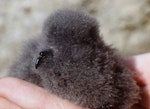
(140,66)
(19,94)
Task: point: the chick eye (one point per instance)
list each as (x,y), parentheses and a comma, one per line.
(43,55)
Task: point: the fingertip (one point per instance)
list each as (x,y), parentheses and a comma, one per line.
(139,65)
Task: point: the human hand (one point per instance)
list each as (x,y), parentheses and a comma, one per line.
(140,65)
(18,94)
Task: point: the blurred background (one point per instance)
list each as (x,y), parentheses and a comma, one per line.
(124,23)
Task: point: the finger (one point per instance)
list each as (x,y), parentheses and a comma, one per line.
(145,94)
(29,96)
(140,66)
(5,104)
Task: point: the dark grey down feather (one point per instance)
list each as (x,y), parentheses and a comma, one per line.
(71,60)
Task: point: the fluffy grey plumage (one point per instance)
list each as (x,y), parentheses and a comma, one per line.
(69,59)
